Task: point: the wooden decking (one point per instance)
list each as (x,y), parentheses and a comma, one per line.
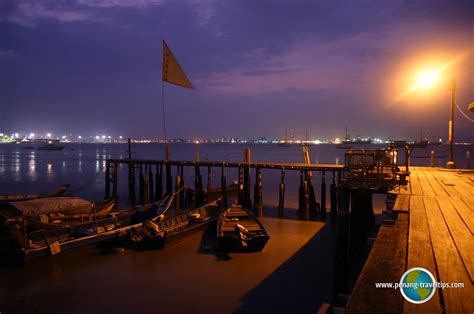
(439,236)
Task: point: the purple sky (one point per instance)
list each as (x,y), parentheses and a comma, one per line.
(94,67)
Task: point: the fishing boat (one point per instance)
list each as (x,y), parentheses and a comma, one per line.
(238,230)
(25,197)
(155,233)
(43,243)
(54,221)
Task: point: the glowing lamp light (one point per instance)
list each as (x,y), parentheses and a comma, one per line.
(48,134)
(97,137)
(427,78)
(79,137)
(32,134)
(103,136)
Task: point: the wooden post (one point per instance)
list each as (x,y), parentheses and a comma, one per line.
(159,182)
(141,185)
(151,186)
(198,194)
(177,202)
(131,183)
(313,205)
(223,187)
(432,158)
(209,183)
(181,186)
(240,195)
(342,244)
(281,194)
(257,196)
(114,179)
(301,192)
(246,198)
(146,198)
(468,159)
(169,180)
(333,195)
(107,180)
(306,200)
(129,148)
(323,196)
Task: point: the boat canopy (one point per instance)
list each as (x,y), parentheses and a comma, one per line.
(65,205)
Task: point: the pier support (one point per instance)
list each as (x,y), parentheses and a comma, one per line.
(224,188)
(257,196)
(333,195)
(323,196)
(177,202)
(107,180)
(198,193)
(151,187)
(131,183)
(114,179)
(209,183)
(246,199)
(240,192)
(281,194)
(341,262)
(169,180)
(159,182)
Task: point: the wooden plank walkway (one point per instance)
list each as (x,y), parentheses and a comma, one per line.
(440,207)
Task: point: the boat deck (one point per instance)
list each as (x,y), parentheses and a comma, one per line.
(434,230)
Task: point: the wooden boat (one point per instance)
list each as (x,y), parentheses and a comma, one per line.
(238,230)
(24,197)
(49,222)
(155,233)
(51,242)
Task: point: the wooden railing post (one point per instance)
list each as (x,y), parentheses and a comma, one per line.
(181,187)
(131,183)
(247,200)
(240,192)
(177,202)
(169,179)
(107,180)
(198,194)
(323,195)
(114,179)
(146,198)
(333,195)
(209,183)
(151,193)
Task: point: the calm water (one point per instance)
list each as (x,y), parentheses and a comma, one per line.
(82,165)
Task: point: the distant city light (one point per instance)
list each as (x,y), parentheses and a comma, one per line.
(109,136)
(64,137)
(48,134)
(79,137)
(103,136)
(17,135)
(97,137)
(32,134)
(120,137)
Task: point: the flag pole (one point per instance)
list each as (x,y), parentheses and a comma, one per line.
(167,148)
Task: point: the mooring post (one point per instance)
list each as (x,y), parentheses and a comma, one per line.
(151,193)
(468,159)
(177,202)
(114,179)
(432,158)
(209,183)
(141,185)
(169,179)
(323,195)
(198,194)
(240,192)
(223,187)
(131,183)
(333,195)
(258,197)
(107,179)
(281,194)
(313,205)
(246,198)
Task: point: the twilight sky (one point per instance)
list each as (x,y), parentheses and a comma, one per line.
(94,67)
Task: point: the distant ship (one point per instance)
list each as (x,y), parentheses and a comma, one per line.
(356,141)
(43,144)
(285,143)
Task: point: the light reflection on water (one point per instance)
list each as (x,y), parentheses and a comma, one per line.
(32,166)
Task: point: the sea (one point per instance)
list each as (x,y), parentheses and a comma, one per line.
(24,171)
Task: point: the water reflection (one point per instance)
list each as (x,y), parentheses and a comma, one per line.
(49,171)
(64,166)
(32,166)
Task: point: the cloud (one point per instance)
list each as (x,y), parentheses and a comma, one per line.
(119,3)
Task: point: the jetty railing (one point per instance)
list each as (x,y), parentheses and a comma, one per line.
(155,180)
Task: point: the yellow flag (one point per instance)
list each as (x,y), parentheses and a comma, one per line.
(172,71)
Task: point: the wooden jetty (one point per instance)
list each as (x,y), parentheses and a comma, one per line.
(434,229)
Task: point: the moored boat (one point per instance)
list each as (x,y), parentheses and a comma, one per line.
(238,230)
(25,197)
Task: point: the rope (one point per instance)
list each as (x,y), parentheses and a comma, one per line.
(462,112)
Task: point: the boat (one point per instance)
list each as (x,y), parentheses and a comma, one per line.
(355,141)
(399,143)
(214,193)
(25,197)
(418,144)
(28,245)
(50,222)
(51,147)
(286,143)
(155,233)
(238,230)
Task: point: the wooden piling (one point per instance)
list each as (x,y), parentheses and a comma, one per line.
(181,187)
(151,193)
(333,195)
(301,193)
(246,199)
(141,185)
(340,284)
(258,199)
(131,183)
(313,205)
(306,200)
(468,159)
(198,193)
(224,188)
(146,198)
(323,196)
(240,195)
(159,182)
(177,202)
(107,180)
(281,194)
(114,179)
(209,183)
(169,180)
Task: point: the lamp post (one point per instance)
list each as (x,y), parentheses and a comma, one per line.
(451,164)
